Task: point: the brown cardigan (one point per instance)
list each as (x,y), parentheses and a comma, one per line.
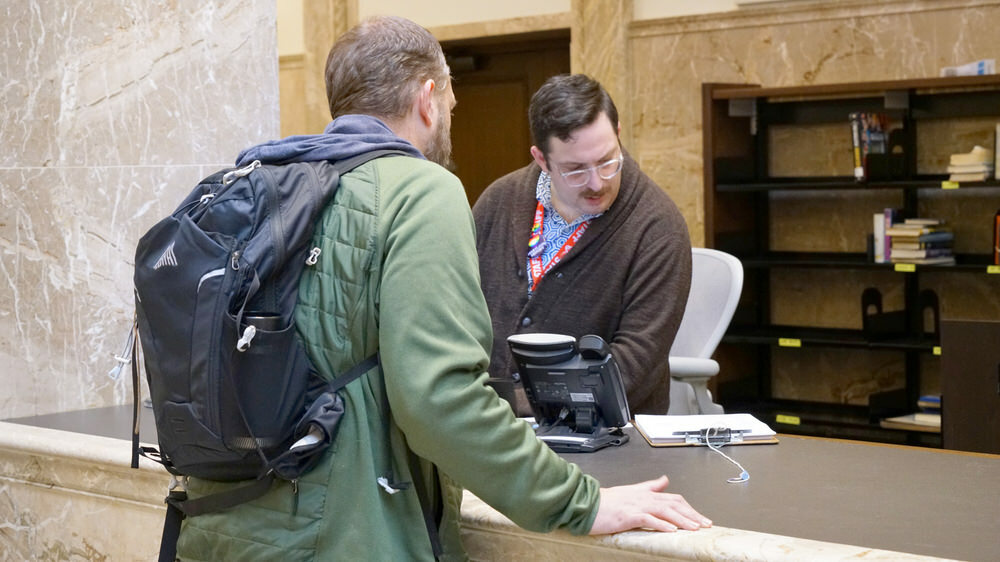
(626,280)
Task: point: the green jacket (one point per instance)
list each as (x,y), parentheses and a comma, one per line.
(398,274)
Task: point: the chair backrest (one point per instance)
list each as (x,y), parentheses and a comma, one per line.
(716,283)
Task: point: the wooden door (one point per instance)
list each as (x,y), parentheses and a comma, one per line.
(494,79)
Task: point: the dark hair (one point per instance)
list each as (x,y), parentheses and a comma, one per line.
(566,103)
(377,66)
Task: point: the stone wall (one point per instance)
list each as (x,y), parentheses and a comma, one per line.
(109,113)
(801,43)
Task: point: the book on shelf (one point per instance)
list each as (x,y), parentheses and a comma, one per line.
(903,244)
(972,176)
(902,253)
(916,240)
(939,236)
(996,153)
(891,216)
(977,156)
(878,236)
(859,163)
(975,165)
(869,135)
(915,231)
(923,221)
(913,421)
(911,238)
(930,403)
(940,260)
(971,168)
(996,238)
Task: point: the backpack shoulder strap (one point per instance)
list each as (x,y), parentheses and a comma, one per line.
(348,164)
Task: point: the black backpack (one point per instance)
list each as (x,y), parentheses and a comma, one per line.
(234,395)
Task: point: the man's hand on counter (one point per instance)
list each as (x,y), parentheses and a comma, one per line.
(645,506)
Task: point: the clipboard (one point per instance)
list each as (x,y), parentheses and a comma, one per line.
(687,431)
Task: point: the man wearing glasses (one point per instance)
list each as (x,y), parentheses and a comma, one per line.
(581,242)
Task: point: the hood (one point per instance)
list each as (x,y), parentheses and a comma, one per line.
(344,137)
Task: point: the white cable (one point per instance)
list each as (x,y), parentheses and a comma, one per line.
(744,475)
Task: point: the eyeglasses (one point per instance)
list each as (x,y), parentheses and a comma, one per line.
(607,170)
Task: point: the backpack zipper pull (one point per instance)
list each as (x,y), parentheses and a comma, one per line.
(234,175)
(235,261)
(126,357)
(248,334)
(295,496)
(313,256)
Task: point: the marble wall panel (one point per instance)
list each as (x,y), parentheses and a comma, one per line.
(68,236)
(815,43)
(816,150)
(829,298)
(149,82)
(53,523)
(808,221)
(70,496)
(971,296)
(109,114)
(839,376)
(56,217)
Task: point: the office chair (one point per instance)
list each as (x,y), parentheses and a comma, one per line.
(716,283)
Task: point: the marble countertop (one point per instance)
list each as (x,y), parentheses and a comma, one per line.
(99,465)
(488,535)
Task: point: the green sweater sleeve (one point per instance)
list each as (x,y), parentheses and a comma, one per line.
(434,335)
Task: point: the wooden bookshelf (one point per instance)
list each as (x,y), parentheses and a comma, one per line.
(743,126)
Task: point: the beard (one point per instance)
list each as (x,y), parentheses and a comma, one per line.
(439,148)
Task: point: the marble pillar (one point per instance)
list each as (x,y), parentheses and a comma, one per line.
(600,49)
(323,21)
(111,112)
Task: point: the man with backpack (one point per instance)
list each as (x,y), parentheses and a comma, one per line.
(395,271)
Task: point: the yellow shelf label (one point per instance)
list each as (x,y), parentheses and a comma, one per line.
(993,269)
(906,267)
(789,342)
(937,350)
(949,185)
(789,420)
